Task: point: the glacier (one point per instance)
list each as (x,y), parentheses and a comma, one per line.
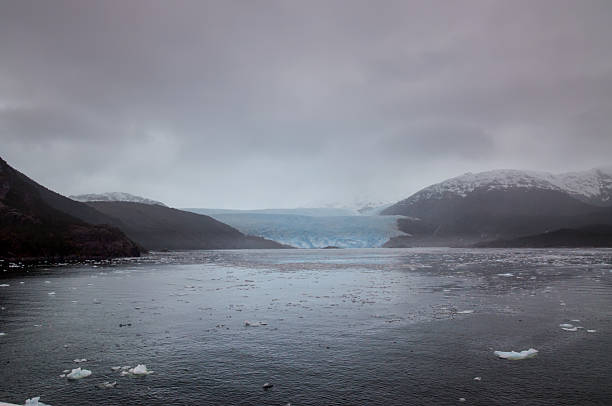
(311,228)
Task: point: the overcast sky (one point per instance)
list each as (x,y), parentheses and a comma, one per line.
(255,104)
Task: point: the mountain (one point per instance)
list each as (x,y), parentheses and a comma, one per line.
(37,223)
(503,204)
(114,197)
(311,228)
(158,227)
(589,236)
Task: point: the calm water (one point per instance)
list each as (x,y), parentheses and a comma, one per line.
(344,327)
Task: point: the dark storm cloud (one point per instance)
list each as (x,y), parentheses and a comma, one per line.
(274,103)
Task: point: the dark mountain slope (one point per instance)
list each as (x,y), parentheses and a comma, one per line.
(500,204)
(34,224)
(589,236)
(157,227)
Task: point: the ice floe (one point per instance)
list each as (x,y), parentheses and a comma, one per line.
(107,385)
(35,402)
(4,285)
(566,325)
(51,293)
(465,312)
(79,360)
(78,373)
(591,331)
(140,370)
(513,355)
(569,328)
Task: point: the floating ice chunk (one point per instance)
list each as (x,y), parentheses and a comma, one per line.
(566,325)
(47,281)
(477,378)
(2,334)
(461,400)
(62,375)
(4,285)
(107,385)
(66,371)
(79,360)
(591,331)
(35,402)
(267,386)
(569,328)
(115,369)
(51,293)
(140,370)
(249,324)
(78,373)
(513,355)
(575,320)
(507,275)
(465,312)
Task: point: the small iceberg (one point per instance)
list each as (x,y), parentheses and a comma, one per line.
(569,328)
(267,386)
(4,285)
(507,275)
(107,385)
(2,334)
(78,373)
(140,370)
(51,293)
(79,360)
(35,402)
(591,331)
(513,355)
(566,325)
(465,312)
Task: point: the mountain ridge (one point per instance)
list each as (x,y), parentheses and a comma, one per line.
(502,204)
(33,224)
(114,197)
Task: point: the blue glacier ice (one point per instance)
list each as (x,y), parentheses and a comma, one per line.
(311,228)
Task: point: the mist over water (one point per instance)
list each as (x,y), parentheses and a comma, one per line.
(376,327)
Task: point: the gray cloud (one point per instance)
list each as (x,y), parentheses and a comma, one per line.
(272,103)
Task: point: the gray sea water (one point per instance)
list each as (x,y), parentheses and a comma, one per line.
(340,327)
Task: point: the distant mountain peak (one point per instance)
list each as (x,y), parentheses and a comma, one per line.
(593,186)
(114,197)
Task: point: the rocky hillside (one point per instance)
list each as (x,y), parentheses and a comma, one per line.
(34,224)
(157,227)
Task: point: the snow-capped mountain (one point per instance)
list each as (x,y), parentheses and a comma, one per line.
(505,204)
(114,197)
(593,186)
